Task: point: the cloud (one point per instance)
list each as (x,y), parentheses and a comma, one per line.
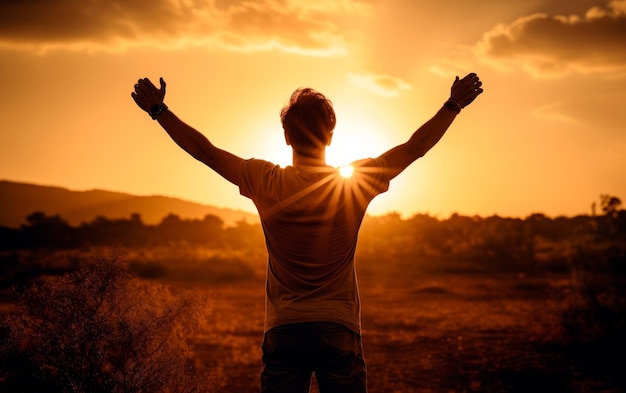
(550,46)
(602,111)
(382,84)
(309,28)
(553,46)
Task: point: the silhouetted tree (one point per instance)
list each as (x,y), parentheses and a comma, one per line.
(170,229)
(611,205)
(613,223)
(101,330)
(48,232)
(245,236)
(129,232)
(210,230)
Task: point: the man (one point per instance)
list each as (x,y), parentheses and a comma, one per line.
(310,216)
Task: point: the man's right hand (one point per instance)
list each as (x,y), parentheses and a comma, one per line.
(465,90)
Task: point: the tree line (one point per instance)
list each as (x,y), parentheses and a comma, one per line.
(456,234)
(390,237)
(55,233)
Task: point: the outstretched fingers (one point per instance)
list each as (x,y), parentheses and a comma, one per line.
(148,83)
(143,93)
(465,90)
(477,87)
(146,94)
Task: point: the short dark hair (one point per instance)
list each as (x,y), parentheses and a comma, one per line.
(308,119)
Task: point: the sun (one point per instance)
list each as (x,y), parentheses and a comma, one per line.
(356,137)
(346,171)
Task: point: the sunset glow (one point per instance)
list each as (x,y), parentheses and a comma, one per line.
(458,225)
(546,136)
(346,171)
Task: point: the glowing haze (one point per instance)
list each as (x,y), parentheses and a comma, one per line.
(546,136)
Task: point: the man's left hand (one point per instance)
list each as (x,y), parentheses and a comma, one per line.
(146,94)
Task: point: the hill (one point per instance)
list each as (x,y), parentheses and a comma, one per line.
(18,200)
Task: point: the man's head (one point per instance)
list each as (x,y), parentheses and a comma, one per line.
(308,120)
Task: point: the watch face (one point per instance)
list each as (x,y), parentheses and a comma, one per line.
(154,109)
(453,106)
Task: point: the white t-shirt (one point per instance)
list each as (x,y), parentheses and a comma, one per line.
(311,218)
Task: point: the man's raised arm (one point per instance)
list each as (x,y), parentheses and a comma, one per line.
(150,99)
(462,93)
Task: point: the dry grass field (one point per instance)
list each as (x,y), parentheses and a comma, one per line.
(431,333)
(446,326)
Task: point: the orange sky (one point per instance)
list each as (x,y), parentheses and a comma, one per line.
(546,136)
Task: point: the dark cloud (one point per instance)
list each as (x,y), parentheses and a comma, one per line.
(290,25)
(546,46)
(40,22)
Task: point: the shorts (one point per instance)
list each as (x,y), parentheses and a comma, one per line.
(292,353)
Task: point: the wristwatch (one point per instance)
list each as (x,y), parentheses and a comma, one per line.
(453,105)
(156,109)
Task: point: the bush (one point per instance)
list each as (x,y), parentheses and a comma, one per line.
(591,309)
(594,312)
(101,330)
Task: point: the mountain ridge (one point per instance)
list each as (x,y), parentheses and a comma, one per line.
(20,199)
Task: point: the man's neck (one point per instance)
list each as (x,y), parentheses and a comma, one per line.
(317,159)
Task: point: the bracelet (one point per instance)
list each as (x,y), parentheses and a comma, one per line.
(453,104)
(156,109)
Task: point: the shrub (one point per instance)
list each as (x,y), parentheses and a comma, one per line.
(591,309)
(594,310)
(101,330)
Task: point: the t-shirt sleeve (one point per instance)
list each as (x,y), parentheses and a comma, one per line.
(253,172)
(374,176)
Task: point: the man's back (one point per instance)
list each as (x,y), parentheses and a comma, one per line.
(311,217)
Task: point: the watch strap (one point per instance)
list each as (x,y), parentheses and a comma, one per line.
(453,105)
(156,109)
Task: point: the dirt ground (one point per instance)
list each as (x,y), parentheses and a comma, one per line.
(434,333)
